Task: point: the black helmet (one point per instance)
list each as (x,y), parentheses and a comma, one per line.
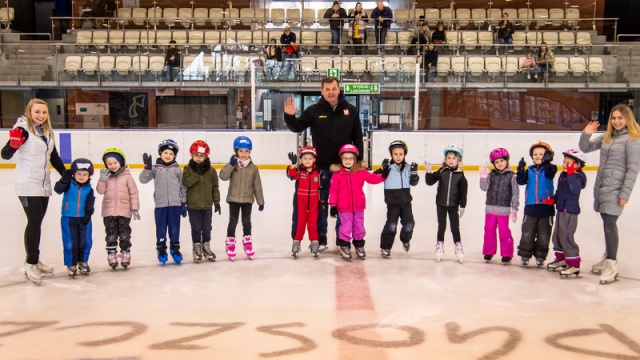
(399,144)
(82,164)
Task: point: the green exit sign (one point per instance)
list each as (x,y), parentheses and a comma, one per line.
(362,88)
(333,72)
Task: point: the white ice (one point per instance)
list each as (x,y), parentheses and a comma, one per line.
(405,307)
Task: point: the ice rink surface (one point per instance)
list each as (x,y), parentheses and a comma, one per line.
(406,307)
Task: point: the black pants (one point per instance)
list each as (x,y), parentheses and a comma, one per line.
(35,207)
(454,218)
(610,235)
(405,214)
(200,221)
(234,212)
(117,227)
(357,46)
(536,234)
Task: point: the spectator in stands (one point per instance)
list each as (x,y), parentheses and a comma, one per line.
(544,61)
(336,14)
(88,12)
(358,28)
(529,64)
(430,60)
(333,123)
(421,34)
(171,60)
(63,9)
(273,51)
(288,38)
(505,32)
(438,36)
(382,16)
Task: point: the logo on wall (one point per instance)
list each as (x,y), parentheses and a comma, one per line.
(128,109)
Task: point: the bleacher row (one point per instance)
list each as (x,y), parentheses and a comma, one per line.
(454,65)
(197,38)
(277,16)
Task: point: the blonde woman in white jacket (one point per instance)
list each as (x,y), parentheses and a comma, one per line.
(32,139)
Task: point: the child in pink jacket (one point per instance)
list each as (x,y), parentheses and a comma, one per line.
(346,198)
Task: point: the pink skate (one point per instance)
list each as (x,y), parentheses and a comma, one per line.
(248,246)
(230,245)
(112,258)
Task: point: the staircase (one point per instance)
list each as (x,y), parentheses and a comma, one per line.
(629,62)
(31,60)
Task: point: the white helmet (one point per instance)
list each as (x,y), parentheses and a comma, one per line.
(576,155)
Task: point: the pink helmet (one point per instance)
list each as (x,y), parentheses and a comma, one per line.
(498,153)
(349,148)
(576,155)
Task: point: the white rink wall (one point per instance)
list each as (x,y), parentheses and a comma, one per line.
(271,148)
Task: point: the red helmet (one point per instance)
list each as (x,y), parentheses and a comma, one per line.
(308,150)
(349,148)
(199,146)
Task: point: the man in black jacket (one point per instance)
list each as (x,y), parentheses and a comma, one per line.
(171,60)
(333,122)
(505,30)
(337,16)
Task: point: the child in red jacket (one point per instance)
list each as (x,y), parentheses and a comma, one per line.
(346,199)
(306,201)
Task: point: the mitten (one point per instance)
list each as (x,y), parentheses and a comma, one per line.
(183,210)
(134,214)
(333,211)
(521,165)
(146,160)
(66,177)
(85,219)
(427,167)
(414,168)
(16,138)
(547,157)
(261,207)
(514,216)
(385,168)
(572,168)
(549,200)
(293,158)
(217,209)
(484,172)
(233,161)
(104,175)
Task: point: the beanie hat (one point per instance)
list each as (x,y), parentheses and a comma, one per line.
(116,156)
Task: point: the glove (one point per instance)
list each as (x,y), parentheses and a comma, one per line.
(547,157)
(183,210)
(85,219)
(66,177)
(217,209)
(572,168)
(521,165)
(414,168)
(261,207)
(293,158)
(333,211)
(484,172)
(427,166)
(134,214)
(104,175)
(514,216)
(385,168)
(461,212)
(233,161)
(16,139)
(549,200)
(146,159)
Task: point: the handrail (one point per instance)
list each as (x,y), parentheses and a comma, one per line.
(615,49)
(28,34)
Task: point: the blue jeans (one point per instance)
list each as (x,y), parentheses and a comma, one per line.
(335,39)
(381,36)
(288,66)
(506,41)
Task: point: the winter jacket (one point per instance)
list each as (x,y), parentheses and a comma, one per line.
(617,170)
(308,183)
(175,52)
(120,194)
(338,23)
(539,185)
(386,14)
(346,192)
(568,192)
(245,183)
(502,192)
(202,190)
(397,185)
(362,24)
(287,40)
(506,31)
(453,186)
(330,129)
(430,57)
(32,174)
(78,199)
(168,187)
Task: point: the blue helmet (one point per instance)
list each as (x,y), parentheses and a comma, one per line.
(168,144)
(242,142)
(454,149)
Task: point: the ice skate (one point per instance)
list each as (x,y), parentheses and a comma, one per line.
(322,244)
(345,252)
(524,261)
(599,267)
(72,270)
(206,250)
(488,258)
(125,258)
(360,252)
(197,252)
(44,269)
(32,273)
(570,271)
(84,268)
(459,252)
(557,265)
(610,272)
(386,253)
(295,248)
(176,255)
(439,250)
(315,248)
(162,255)
(505,260)
(112,258)
(230,246)
(248,246)
(406,246)
(540,262)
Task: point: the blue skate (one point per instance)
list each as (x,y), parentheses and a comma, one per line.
(176,255)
